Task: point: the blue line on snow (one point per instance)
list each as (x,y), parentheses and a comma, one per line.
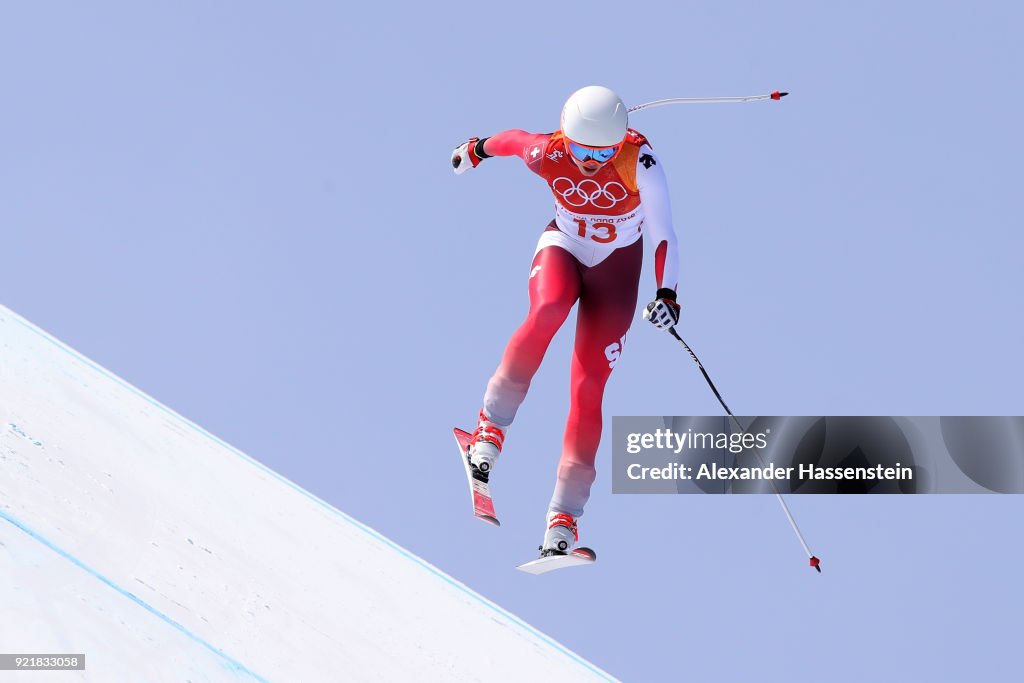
(354,522)
(235,664)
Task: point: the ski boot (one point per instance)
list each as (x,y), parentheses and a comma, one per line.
(561,535)
(485,448)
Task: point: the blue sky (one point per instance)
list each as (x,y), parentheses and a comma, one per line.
(247,211)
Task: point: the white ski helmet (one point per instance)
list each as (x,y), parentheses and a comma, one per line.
(595,116)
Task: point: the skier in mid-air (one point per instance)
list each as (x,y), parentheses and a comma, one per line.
(609,189)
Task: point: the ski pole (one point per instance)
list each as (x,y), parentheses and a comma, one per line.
(814,561)
(708,100)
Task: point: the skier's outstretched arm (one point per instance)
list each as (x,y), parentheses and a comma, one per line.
(663,312)
(509,143)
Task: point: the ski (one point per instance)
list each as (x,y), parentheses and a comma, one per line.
(544,565)
(479,489)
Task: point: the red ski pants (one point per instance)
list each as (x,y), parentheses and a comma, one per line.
(607,295)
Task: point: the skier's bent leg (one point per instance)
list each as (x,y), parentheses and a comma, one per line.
(554,288)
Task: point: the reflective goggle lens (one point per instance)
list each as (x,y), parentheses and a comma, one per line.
(584,154)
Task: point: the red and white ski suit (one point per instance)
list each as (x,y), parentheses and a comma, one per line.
(591,253)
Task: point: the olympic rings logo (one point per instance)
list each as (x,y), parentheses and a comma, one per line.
(589,191)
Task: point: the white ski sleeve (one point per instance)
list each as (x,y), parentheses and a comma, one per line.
(653,186)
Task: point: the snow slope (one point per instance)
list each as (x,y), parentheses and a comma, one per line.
(133,536)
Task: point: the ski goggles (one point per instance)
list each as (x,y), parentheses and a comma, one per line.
(583,154)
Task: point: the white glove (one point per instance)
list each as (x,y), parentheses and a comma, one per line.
(464,157)
(663,312)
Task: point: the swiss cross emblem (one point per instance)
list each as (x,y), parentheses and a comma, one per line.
(535,152)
